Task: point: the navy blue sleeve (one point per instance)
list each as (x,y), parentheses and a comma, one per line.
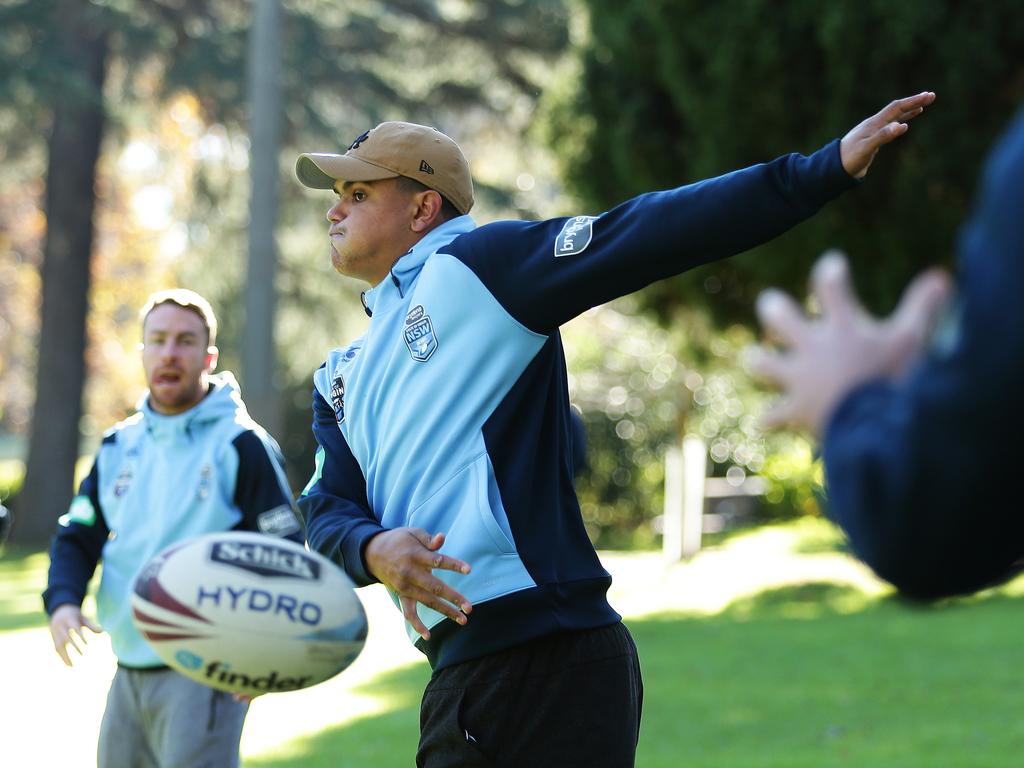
(77,547)
(261,488)
(338,519)
(579,443)
(545,273)
(922,473)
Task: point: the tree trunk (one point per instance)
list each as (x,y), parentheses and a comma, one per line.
(74,144)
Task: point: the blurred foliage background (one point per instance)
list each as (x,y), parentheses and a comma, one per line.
(563,107)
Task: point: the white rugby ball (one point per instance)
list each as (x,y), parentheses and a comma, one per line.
(248,613)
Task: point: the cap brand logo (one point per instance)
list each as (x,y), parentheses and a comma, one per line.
(425,167)
(355,144)
(266,560)
(575,236)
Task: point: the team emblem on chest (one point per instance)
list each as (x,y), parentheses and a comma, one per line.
(123,481)
(338,397)
(205,482)
(419,335)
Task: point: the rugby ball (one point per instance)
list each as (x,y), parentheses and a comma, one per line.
(248,613)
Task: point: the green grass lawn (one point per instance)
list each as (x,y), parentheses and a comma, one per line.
(22,578)
(800,676)
(818,674)
(814,676)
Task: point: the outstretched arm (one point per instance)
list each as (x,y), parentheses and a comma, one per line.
(919,466)
(546,273)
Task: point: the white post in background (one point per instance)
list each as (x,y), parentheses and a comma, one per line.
(695,459)
(672,517)
(683,517)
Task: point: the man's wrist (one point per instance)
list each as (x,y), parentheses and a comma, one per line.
(364,562)
(58,600)
(359,570)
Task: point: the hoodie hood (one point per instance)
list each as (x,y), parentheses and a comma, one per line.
(222,401)
(389,291)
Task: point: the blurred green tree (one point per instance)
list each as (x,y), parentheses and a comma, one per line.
(79,45)
(56,56)
(641,385)
(666,92)
(474,69)
(673,91)
(94,73)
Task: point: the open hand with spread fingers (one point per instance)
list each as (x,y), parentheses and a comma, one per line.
(404,559)
(859,147)
(65,623)
(824,359)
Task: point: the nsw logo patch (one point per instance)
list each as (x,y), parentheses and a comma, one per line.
(419,335)
(575,236)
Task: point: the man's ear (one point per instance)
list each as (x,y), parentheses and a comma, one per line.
(428,211)
(212,355)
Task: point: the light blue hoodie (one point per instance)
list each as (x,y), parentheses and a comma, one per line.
(451,414)
(158,480)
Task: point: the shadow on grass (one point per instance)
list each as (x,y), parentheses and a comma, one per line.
(385,740)
(22,580)
(811,675)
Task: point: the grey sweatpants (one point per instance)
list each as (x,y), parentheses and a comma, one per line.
(160,719)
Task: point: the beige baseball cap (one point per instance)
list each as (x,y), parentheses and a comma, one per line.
(395,149)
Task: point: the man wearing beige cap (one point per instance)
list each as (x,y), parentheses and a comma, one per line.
(444,461)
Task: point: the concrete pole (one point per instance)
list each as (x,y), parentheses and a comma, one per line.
(258,350)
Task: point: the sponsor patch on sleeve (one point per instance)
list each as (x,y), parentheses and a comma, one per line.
(575,236)
(81,511)
(279,521)
(338,397)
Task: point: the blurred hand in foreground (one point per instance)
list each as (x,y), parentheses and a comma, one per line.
(822,359)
